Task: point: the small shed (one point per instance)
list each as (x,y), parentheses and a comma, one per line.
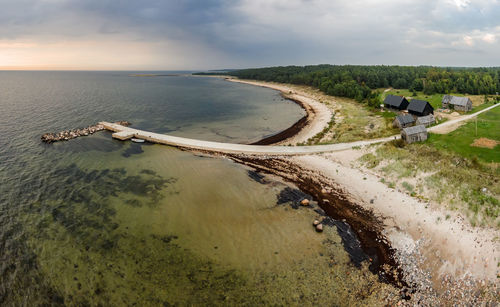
(456,103)
(426,120)
(403,120)
(396,102)
(414,134)
(420,107)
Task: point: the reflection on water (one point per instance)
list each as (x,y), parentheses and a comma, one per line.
(96,221)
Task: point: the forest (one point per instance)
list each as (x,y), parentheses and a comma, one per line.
(359,82)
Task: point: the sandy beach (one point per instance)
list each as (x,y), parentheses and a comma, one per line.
(447,246)
(443,259)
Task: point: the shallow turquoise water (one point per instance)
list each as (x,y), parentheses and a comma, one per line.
(96,221)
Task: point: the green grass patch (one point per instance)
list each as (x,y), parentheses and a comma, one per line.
(408,187)
(450,178)
(370,160)
(386,114)
(460,140)
(355,122)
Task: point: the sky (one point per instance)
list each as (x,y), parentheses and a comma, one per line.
(217,34)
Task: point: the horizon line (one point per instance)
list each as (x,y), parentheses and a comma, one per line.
(20,68)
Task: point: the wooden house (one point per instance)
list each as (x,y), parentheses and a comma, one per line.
(396,102)
(403,120)
(426,120)
(414,134)
(456,103)
(420,107)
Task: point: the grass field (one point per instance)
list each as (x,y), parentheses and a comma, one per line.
(447,169)
(460,140)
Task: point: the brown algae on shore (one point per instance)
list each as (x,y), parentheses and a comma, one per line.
(147,242)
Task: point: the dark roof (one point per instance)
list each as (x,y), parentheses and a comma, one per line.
(405,119)
(393,101)
(418,105)
(414,129)
(454,100)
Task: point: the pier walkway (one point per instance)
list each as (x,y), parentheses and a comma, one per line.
(125,133)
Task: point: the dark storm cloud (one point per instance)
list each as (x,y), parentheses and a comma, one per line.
(273,32)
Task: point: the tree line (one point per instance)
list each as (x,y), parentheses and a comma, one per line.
(358,82)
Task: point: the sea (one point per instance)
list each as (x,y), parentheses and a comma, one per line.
(100,222)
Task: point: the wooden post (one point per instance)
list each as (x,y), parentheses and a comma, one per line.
(476,126)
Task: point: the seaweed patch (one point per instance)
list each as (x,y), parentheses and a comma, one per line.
(256,176)
(133,149)
(292,196)
(82,205)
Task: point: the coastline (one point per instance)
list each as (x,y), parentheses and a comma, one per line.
(290,132)
(366,227)
(436,259)
(432,263)
(318,116)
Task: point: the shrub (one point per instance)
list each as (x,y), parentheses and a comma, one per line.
(407,186)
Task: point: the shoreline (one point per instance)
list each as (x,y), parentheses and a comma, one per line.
(318,116)
(291,131)
(430,263)
(366,227)
(433,259)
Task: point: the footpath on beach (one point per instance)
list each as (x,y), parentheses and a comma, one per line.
(125,133)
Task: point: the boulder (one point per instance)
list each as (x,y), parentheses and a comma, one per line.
(304,202)
(319,228)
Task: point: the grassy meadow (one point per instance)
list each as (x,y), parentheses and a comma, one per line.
(460,140)
(447,170)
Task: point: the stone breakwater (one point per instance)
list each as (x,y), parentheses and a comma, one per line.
(71,134)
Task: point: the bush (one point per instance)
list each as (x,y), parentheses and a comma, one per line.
(408,186)
(398,143)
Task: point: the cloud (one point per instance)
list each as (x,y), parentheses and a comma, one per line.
(193,34)
(489,38)
(468,40)
(460,4)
